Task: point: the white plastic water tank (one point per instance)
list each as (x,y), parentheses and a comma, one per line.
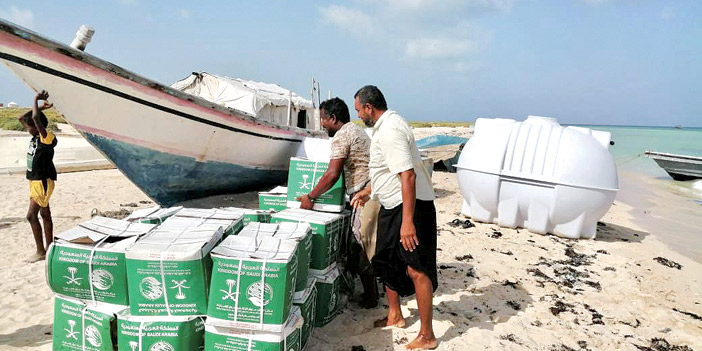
(537,175)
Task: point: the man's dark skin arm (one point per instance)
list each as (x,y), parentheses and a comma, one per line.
(43,95)
(408,233)
(330,177)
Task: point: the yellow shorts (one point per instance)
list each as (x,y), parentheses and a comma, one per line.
(40,195)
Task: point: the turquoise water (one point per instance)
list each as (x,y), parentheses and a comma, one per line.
(631,142)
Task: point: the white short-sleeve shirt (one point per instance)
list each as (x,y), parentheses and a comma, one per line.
(393,150)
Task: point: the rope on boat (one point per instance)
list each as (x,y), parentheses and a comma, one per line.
(629,159)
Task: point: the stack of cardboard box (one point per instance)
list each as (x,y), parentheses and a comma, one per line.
(133,285)
(86,269)
(327,229)
(251,297)
(169,279)
(180,278)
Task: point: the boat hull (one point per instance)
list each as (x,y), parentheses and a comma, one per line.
(680,170)
(680,167)
(173,146)
(169,178)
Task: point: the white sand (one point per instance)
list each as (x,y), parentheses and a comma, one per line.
(636,299)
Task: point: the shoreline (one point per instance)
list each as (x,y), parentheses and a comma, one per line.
(660,208)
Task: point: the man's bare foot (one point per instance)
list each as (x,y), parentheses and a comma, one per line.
(385,322)
(422,342)
(36,257)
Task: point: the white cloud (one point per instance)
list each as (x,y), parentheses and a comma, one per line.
(431,6)
(24,18)
(355,21)
(667,13)
(500,5)
(184,13)
(596,2)
(423,31)
(465,66)
(410,4)
(438,48)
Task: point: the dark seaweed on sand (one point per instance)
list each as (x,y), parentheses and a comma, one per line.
(467,257)
(514,305)
(539,274)
(660,344)
(514,285)
(596,316)
(560,306)
(511,337)
(697,317)
(565,273)
(463,224)
(668,263)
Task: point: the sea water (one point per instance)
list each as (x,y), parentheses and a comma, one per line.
(671,210)
(631,142)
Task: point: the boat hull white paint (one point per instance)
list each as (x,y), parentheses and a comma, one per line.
(171,145)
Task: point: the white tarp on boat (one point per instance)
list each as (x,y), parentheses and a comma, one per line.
(266,101)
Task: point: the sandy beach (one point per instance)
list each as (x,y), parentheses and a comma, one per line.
(500,289)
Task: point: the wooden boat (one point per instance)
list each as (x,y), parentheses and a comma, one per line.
(172,145)
(680,167)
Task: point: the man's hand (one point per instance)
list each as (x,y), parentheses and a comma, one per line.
(45,105)
(42,95)
(408,236)
(305,202)
(361,197)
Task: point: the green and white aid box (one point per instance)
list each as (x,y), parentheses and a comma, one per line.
(275,199)
(253,281)
(218,338)
(251,215)
(304,175)
(298,232)
(88,261)
(231,221)
(328,302)
(153,215)
(168,270)
(326,233)
(84,326)
(306,300)
(163,333)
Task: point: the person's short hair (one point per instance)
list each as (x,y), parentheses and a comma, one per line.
(336,107)
(370,94)
(27,119)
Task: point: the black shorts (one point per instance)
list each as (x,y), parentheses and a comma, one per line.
(391,259)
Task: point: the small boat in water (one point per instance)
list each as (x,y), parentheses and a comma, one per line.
(174,145)
(680,167)
(442,148)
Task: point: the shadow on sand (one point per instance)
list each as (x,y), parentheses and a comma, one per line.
(608,232)
(353,327)
(476,307)
(243,200)
(441,193)
(32,336)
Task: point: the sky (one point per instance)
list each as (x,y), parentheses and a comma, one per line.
(611,62)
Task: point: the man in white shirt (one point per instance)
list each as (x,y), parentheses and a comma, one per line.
(405,255)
